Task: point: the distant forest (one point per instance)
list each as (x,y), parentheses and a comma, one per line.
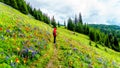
(111,29)
(105,38)
(96,35)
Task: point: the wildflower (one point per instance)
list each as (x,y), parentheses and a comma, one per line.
(11,61)
(35,33)
(71,62)
(26,50)
(31,48)
(70,45)
(12,64)
(27,29)
(104,64)
(90,66)
(2,37)
(74,49)
(113,63)
(0,28)
(33,54)
(7,30)
(44,47)
(18,49)
(35,28)
(25,60)
(17,60)
(22,42)
(7,57)
(100,60)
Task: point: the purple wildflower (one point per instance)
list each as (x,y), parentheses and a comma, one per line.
(12,64)
(8,30)
(100,60)
(31,48)
(75,49)
(70,45)
(33,54)
(113,63)
(7,57)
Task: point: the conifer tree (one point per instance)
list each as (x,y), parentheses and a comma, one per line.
(46,19)
(53,22)
(22,6)
(70,24)
(58,24)
(2,1)
(65,24)
(80,18)
(30,9)
(13,4)
(7,2)
(76,20)
(42,17)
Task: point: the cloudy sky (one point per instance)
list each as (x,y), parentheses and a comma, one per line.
(93,11)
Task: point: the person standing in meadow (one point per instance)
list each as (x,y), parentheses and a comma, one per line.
(55,34)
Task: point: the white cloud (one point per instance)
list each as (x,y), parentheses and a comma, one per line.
(93,11)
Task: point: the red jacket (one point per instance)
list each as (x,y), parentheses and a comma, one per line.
(54,32)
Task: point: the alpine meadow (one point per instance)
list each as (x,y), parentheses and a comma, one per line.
(27,40)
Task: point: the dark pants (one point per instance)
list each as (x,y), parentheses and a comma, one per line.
(54,39)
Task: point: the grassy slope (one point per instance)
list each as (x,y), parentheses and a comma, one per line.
(70,51)
(81,42)
(33,30)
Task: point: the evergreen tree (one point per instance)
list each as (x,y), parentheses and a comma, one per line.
(7,2)
(25,10)
(107,41)
(46,19)
(29,9)
(116,44)
(80,18)
(22,6)
(58,24)
(38,15)
(35,14)
(76,20)
(13,4)
(86,31)
(42,17)
(79,28)
(53,22)
(2,1)
(70,24)
(65,24)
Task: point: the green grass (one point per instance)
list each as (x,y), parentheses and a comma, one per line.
(81,42)
(22,29)
(72,50)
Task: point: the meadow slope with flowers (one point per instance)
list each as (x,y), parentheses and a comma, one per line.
(28,43)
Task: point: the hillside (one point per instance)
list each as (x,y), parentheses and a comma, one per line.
(28,43)
(114,29)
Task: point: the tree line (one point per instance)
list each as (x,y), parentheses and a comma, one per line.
(26,8)
(109,40)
